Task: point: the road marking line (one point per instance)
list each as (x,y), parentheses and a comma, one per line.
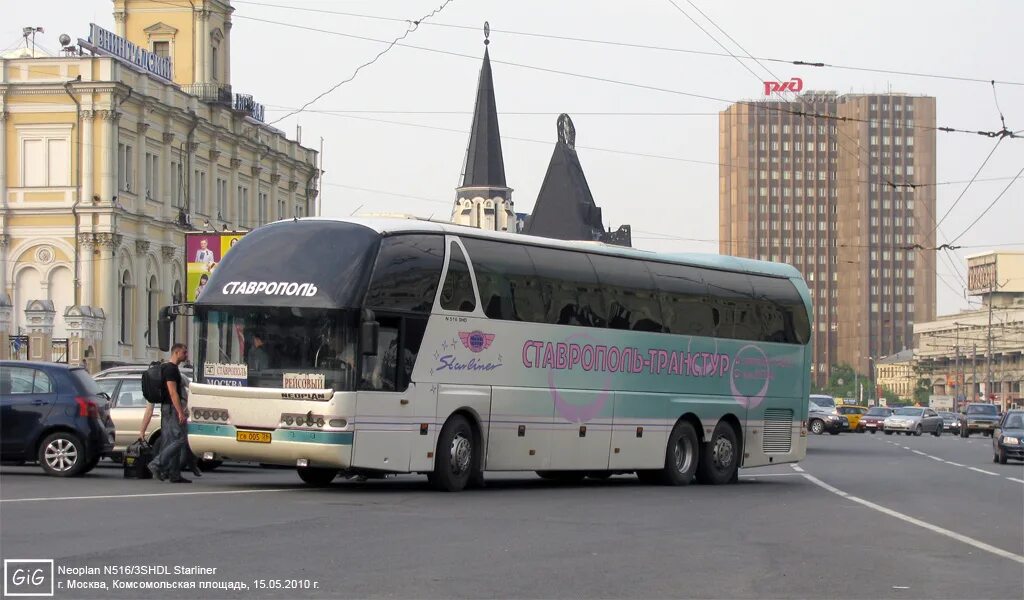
(919,452)
(982,471)
(907,518)
(1015,479)
(906,447)
(111,497)
(935,458)
(955,464)
(797,469)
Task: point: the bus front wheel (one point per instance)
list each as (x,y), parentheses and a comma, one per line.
(682,456)
(457,456)
(720,457)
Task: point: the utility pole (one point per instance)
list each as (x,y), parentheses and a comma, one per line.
(956,370)
(974,373)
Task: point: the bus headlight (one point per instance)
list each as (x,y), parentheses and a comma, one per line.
(288,420)
(338,423)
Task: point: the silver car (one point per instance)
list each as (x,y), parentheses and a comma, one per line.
(914,420)
(128,405)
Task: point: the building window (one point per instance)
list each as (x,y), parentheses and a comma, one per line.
(46,157)
(162,49)
(152,177)
(222,199)
(261,208)
(126,307)
(243,206)
(125,168)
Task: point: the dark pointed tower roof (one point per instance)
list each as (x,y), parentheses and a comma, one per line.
(565,208)
(484,165)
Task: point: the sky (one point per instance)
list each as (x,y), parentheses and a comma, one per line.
(395,136)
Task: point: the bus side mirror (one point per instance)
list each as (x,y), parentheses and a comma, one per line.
(163,329)
(369,332)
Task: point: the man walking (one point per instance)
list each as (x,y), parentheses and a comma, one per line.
(173,418)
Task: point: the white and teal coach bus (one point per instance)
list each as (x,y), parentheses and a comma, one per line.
(378,346)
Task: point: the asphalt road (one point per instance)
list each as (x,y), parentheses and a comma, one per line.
(869,516)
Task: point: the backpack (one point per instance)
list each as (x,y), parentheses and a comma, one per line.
(152,383)
(136,460)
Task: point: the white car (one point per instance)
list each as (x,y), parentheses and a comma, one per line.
(914,420)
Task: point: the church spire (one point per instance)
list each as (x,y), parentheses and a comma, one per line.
(484,164)
(483,199)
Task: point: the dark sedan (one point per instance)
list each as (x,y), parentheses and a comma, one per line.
(54,414)
(950,421)
(1008,437)
(873,419)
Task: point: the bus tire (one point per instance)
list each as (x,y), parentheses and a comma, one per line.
(720,457)
(457,456)
(682,456)
(317,476)
(599,475)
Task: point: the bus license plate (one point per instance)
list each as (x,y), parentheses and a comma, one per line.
(260,437)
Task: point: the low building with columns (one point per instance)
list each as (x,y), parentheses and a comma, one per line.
(108,154)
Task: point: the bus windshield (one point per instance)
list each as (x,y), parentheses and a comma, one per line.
(278,347)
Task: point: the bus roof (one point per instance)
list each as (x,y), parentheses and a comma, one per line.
(386,226)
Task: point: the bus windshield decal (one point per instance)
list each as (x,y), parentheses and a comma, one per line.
(225,374)
(272,288)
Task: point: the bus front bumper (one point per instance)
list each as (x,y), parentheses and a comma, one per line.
(286,446)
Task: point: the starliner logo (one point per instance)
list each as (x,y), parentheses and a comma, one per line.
(270,288)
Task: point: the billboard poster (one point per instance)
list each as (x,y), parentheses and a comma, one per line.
(203,252)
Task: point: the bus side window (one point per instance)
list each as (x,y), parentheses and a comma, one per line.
(406,274)
(569,285)
(630,298)
(457,292)
(684,299)
(507,281)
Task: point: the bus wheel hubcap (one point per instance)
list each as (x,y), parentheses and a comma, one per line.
(723,453)
(683,456)
(462,452)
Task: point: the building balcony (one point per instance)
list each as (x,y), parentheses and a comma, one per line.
(219,93)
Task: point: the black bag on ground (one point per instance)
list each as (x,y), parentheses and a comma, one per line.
(151,388)
(137,456)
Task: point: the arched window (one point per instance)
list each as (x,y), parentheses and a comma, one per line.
(154,298)
(126,307)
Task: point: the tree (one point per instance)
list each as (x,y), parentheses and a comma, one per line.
(922,391)
(847,389)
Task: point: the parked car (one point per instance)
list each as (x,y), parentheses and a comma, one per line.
(54,414)
(950,421)
(873,419)
(914,420)
(1008,437)
(978,417)
(821,419)
(128,408)
(853,415)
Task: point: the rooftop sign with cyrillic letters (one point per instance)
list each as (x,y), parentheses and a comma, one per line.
(120,48)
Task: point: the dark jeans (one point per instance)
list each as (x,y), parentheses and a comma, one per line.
(173,439)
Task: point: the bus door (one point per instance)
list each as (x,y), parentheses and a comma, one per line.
(390,409)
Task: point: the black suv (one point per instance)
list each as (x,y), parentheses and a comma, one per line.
(978,417)
(54,414)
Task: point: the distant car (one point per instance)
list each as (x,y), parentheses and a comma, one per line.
(128,408)
(873,419)
(978,417)
(1008,437)
(950,421)
(54,414)
(914,420)
(853,415)
(822,418)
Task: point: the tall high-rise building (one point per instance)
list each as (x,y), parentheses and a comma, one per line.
(841,187)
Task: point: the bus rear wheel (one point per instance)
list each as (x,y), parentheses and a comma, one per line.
(317,476)
(720,457)
(457,456)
